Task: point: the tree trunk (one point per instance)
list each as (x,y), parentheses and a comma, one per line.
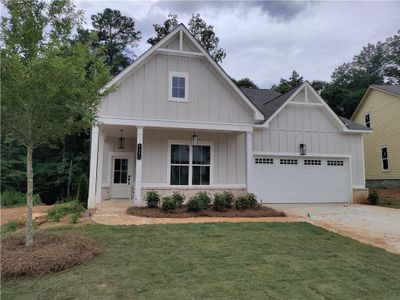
(29,196)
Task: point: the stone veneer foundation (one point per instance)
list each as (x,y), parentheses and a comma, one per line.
(360,196)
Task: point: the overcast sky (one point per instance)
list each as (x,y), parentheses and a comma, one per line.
(267,40)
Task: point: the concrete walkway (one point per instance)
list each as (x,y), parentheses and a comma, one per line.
(377,226)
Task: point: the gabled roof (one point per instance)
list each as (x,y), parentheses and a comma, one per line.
(181,29)
(390,89)
(260,96)
(270,102)
(393,89)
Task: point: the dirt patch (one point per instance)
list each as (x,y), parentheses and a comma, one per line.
(16,213)
(49,253)
(183,213)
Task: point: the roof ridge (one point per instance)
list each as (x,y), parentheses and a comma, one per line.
(291,90)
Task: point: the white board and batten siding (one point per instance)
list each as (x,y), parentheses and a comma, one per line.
(145,94)
(309,125)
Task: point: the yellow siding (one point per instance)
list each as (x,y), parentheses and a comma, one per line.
(384,111)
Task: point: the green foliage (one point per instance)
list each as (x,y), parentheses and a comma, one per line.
(203,33)
(83,189)
(61,210)
(75,216)
(199,202)
(11,198)
(179,198)
(285,85)
(162,30)
(246,202)
(223,201)
(245,83)
(373,198)
(114,36)
(152,199)
(10,226)
(168,204)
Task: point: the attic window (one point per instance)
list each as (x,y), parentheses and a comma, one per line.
(367,121)
(178,86)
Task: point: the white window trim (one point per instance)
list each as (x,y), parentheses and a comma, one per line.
(387,158)
(178,74)
(365,123)
(201,143)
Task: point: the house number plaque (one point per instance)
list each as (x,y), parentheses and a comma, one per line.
(139,151)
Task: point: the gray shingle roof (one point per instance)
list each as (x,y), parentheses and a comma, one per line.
(394,89)
(259,96)
(353,125)
(269,101)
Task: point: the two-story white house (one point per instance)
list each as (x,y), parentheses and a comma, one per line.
(177,122)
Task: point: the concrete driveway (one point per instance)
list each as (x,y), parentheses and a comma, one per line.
(374,225)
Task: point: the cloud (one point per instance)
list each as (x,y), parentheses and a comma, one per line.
(268,40)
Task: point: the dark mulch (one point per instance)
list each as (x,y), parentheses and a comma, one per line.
(50,253)
(210,212)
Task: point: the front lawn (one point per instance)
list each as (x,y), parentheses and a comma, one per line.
(220,261)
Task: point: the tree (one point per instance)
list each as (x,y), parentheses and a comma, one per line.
(117,36)
(50,87)
(319,85)
(286,85)
(162,30)
(245,83)
(203,33)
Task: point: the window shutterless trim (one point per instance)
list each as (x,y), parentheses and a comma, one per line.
(178,74)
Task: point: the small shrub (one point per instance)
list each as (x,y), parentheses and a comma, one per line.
(178,198)
(205,198)
(223,201)
(373,198)
(10,226)
(246,202)
(75,216)
(196,203)
(168,204)
(83,190)
(152,199)
(61,210)
(11,198)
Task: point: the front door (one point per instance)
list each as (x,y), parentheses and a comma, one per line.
(121,177)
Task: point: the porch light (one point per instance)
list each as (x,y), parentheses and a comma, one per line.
(303,149)
(121,141)
(194,138)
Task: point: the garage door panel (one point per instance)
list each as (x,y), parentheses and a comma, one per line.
(281,180)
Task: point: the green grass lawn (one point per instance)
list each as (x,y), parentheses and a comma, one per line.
(220,261)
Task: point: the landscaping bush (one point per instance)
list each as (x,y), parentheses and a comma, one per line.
(61,210)
(75,217)
(178,198)
(196,203)
(9,227)
(373,198)
(205,198)
(10,198)
(168,204)
(152,199)
(246,202)
(223,201)
(83,190)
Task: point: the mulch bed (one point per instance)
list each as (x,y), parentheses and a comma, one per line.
(49,253)
(210,212)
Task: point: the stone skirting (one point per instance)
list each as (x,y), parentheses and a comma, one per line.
(360,195)
(385,183)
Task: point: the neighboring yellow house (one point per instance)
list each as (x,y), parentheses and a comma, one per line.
(379,109)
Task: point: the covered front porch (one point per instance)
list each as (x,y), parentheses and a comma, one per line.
(127,160)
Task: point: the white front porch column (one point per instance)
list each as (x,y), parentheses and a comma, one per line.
(99,166)
(93,166)
(139,159)
(249,162)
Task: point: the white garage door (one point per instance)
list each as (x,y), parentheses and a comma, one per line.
(280,179)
